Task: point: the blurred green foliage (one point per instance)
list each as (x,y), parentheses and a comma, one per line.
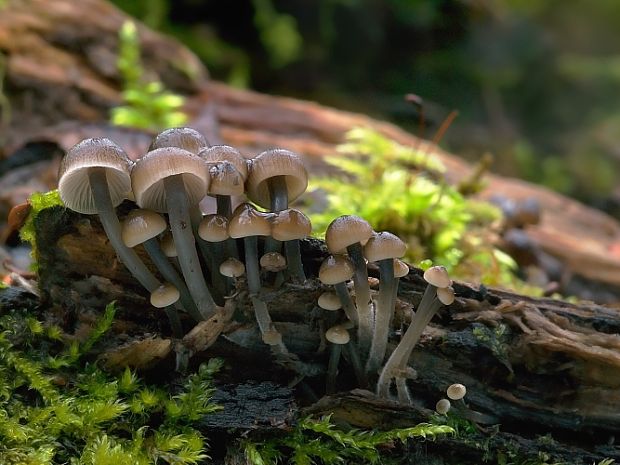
(401,189)
(532,80)
(55,408)
(146,104)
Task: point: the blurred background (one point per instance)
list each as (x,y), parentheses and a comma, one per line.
(535,83)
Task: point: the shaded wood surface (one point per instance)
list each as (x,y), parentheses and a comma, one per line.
(535,366)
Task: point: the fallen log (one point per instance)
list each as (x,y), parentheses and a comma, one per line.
(534,366)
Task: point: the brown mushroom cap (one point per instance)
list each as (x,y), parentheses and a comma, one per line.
(273,261)
(456,391)
(345,231)
(443,406)
(225,179)
(276,162)
(401,269)
(445,295)
(213,228)
(336,269)
(437,276)
(384,245)
(247,221)
(73,183)
(290,224)
(329,301)
(140,225)
(232,268)
(149,172)
(164,295)
(184,138)
(219,153)
(338,335)
(272,337)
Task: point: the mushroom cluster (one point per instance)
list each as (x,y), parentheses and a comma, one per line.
(200,258)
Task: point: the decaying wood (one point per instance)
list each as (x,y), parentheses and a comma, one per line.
(535,366)
(61,81)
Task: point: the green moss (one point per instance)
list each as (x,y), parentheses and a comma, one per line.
(74,412)
(319,441)
(38,201)
(402,190)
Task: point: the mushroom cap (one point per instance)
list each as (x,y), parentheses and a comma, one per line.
(401,269)
(227,153)
(456,391)
(213,228)
(273,261)
(73,183)
(232,268)
(443,406)
(149,172)
(329,301)
(437,276)
(225,179)
(140,225)
(336,269)
(168,247)
(272,337)
(164,295)
(271,163)
(338,335)
(248,221)
(445,295)
(345,231)
(184,138)
(384,245)
(290,224)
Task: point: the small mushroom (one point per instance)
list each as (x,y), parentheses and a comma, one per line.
(456,391)
(184,138)
(289,226)
(336,270)
(94,178)
(383,247)
(232,268)
(173,180)
(142,226)
(338,336)
(437,278)
(349,234)
(213,229)
(329,301)
(248,223)
(273,262)
(443,406)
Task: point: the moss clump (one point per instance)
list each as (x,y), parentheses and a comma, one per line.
(57,409)
(38,201)
(320,441)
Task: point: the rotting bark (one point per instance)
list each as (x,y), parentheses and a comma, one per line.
(534,366)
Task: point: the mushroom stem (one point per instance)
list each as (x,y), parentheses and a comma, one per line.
(278,193)
(181,226)
(170,274)
(383,315)
(293,259)
(111,225)
(347,303)
(362,298)
(175,322)
(399,358)
(252,271)
(354,358)
(403,392)
(332,368)
(224,205)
